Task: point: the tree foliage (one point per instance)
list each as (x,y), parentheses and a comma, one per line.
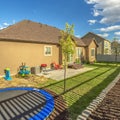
(66,42)
(68,46)
(116,47)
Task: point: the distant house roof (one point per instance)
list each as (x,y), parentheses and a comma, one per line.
(29,31)
(95,36)
(87,41)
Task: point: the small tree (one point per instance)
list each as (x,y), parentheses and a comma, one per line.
(68,46)
(116,48)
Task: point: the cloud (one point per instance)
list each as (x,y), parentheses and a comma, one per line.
(108,9)
(77,36)
(110,28)
(6,24)
(90,1)
(96,12)
(117,33)
(103,35)
(91,22)
(1,27)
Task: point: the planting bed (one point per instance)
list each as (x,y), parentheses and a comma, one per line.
(109,109)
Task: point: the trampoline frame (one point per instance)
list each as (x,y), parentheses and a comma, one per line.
(47,108)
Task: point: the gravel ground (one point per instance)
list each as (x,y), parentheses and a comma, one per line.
(109,109)
(32,81)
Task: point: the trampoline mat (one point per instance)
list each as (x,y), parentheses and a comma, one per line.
(21,104)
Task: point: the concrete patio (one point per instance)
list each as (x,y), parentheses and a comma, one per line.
(59,74)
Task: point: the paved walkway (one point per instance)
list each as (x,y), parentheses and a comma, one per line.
(59,74)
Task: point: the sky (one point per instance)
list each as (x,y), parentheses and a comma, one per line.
(101,17)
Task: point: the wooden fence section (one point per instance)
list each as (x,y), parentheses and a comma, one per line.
(108,58)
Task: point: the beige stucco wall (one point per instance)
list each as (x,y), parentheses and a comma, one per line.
(91,58)
(12,54)
(107,47)
(100,48)
(83,53)
(104,47)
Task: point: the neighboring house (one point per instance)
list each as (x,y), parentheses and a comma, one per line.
(115,47)
(91,49)
(34,44)
(104,46)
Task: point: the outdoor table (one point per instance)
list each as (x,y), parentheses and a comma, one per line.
(43,67)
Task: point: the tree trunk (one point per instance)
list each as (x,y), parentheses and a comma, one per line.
(65,65)
(116,55)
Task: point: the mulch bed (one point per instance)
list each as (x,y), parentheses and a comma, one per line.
(109,109)
(60,111)
(75,66)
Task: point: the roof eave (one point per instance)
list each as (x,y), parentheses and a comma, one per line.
(26,41)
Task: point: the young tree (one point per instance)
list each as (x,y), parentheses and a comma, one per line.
(116,48)
(68,46)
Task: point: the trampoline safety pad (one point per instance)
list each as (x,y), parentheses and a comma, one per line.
(25,103)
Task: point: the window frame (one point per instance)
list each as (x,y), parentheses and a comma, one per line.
(78,52)
(92,52)
(47,46)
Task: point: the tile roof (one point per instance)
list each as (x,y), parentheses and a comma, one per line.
(87,41)
(29,31)
(95,36)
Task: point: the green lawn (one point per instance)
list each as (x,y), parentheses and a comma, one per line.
(83,88)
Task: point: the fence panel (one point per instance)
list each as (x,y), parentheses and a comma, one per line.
(108,58)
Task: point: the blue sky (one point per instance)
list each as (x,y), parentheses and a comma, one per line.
(98,16)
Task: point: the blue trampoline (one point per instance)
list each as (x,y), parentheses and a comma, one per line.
(25,103)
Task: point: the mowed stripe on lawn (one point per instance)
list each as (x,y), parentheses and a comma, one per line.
(83,88)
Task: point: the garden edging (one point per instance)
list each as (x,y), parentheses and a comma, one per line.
(93,105)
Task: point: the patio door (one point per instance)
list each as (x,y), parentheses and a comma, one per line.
(78,52)
(70,58)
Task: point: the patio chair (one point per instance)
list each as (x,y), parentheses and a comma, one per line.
(55,66)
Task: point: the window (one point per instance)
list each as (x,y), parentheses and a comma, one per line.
(106,44)
(69,58)
(48,50)
(78,52)
(92,51)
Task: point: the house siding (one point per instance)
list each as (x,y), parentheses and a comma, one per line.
(99,49)
(92,46)
(107,47)
(101,43)
(14,53)
(83,54)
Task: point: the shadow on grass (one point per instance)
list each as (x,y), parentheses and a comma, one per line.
(84,101)
(85,82)
(78,85)
(103,64)
(61,81)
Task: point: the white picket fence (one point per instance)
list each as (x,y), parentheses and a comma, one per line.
(108,58)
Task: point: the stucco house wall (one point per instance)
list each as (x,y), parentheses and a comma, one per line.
(25,41)
(101,43)
(100,48)
(90,56)
(107,47)
(14,53)
(82,53)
